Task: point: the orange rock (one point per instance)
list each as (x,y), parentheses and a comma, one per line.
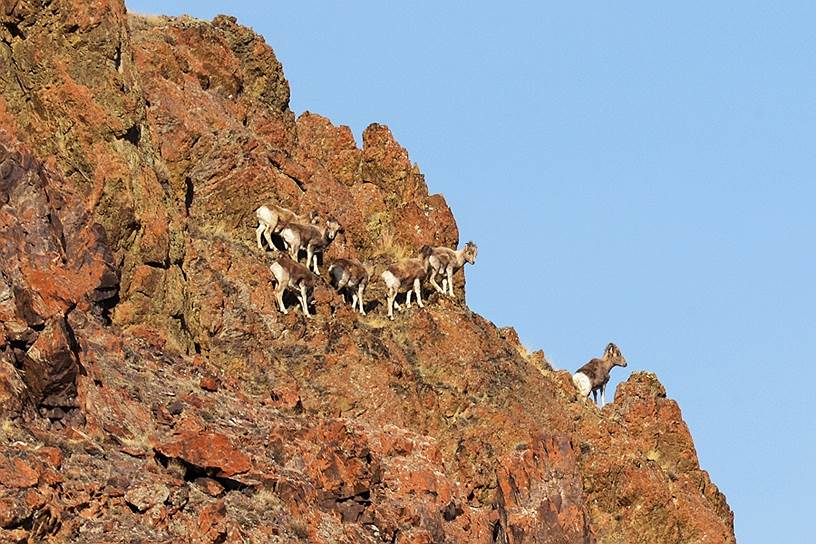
(13,512)
(34,499)
(209,383)
(15,472)
(207,450)
(52,456)
(16,536)
(209,486)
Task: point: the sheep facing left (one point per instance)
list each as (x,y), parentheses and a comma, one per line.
(292,275)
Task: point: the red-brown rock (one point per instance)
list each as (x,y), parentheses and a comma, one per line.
(540,498)
(207,450)
(13,512)
(209,486)
(15,472)
(145,497)
(209,383)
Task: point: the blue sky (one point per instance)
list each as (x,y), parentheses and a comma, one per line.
(648,172)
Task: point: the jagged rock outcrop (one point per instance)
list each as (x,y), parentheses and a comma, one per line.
(149,389)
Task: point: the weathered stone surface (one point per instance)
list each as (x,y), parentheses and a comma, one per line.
(209,383)
(50,367)
(209,486)
(540,496)
(133,152)
(13,512)
(147,496)
(207,450)
(15,472)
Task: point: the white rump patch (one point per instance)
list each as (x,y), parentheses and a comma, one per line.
(277,271)
(582,384)
(390,280)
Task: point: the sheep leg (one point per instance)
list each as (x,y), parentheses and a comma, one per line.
(268,236)
(436,285)
(408,299)
(258,232)
(603,395)
(279,296)
(450,282)
(391,297)
(595,396)
(308,256)
(304,300)
(360,290)
(418,291)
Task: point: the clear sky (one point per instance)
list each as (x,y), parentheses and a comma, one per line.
(643,171)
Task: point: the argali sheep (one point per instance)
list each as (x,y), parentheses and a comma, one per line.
(406,275)
(272,218)
(444,262)
(593,376)
(352,276)
(289,274)
(313,238)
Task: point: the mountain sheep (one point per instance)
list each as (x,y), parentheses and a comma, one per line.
(289,274)
(272,218)
(593,376)
(350,275)
(444,262)
(313,238)
(406,274)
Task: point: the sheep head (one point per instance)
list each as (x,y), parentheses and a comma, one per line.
(333,228)
(470,252)
(613,353)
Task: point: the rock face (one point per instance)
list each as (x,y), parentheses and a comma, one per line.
(151,391)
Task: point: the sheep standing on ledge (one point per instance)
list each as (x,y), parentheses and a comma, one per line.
(444,262)
(313,238)
(272,218)
(289,274)
(593,376)
(408,275)
(350,275)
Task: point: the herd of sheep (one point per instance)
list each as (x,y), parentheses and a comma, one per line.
(312,235)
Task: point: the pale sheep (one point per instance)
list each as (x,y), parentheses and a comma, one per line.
(272,218)
(444,262)
(406,275)
(292,275)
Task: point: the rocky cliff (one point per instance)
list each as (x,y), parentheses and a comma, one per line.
(151,392)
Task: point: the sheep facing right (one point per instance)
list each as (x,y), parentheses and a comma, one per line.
(313,238)
(272,218)
(444,262)
(350,275)
(406,275)
(593,376)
